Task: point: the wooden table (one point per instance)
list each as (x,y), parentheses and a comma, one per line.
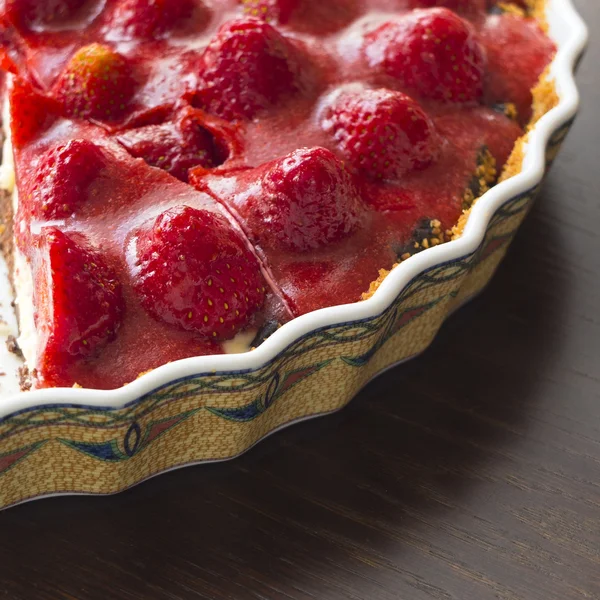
(470,473)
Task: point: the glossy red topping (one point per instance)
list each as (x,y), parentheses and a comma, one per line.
(247,68)
(432,51)
(332,136)
(41,12)
(520,43)
(175,146)
(305,201)
(31,113)
(276,11)
(152,18)
(468,7)
(193,271)
(78,298)
(63,177)
(97,83)
(383,134)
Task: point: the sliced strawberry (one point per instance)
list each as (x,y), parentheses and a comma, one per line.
(26,13)
(30,112)
(247,68)
(174,146)
(306,200)
(152,18)
(96,83)
(382,133)
(62,179)
(432,51)
(195,272)
(520,43)
(272,11)
(79,299)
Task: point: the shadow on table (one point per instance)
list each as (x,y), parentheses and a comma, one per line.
(303,507)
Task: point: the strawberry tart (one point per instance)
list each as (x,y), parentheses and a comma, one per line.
(180,178)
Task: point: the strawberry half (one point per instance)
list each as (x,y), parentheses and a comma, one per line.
(381,133)
(247,68)
(79,299)
(30,112)
(25,13)
(61,180)
(97,83)
(432,51)
(195,272)
(174,146)
(304,201)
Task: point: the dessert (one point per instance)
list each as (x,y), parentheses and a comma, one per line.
(191,175)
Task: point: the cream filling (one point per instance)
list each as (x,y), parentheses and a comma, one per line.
(22,276)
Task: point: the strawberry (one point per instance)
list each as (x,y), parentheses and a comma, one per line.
(97,83)
(247,68)
(195,272)
(381,133)
(151,18)
(466,7)
(306,200)
(523,45)
(27,13)
(30,112)
(62,179)
(174,146)
(79,299)
(271,11)
(432,51)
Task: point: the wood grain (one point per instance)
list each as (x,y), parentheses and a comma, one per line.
(470,473)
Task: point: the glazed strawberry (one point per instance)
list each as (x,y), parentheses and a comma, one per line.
(306,200)
(247,68)
(176,146)
(83,303)
(31,113)
(520,43)
(432,51)
(276,11)
(469,7)
(195,272)
(381,133)
(152,18)
(62,180)
(41,12)
(97,83)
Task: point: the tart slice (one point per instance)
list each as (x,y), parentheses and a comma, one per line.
(184,177)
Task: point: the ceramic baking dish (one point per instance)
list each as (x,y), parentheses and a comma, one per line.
(211,408)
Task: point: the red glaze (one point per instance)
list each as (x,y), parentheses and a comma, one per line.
(511,40)
(175,146)
(257,116)
(150,19)
(28,13)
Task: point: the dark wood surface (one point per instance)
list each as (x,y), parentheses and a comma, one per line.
(470,473)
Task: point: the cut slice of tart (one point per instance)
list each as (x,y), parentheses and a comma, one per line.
(188,176)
